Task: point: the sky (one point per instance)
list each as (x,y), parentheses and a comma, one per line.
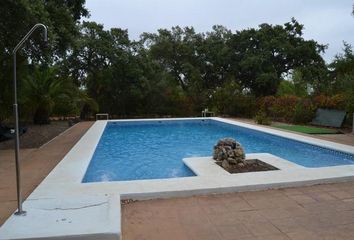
(326,21)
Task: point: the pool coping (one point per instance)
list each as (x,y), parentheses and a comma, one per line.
(65,179)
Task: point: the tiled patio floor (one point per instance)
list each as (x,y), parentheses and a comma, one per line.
(308,213)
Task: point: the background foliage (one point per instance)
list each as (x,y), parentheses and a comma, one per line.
(176,72)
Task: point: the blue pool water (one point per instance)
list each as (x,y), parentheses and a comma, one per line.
(154,150)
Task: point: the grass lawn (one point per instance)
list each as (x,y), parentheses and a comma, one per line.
(307,129)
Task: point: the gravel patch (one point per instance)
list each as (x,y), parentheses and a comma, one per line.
(37,135)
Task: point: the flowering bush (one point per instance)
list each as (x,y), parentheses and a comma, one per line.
(332,102)
(284,107)
(265,104)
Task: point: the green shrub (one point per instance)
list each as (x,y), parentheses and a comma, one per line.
(262,118)
(286,88)
(230,100)
(304,111)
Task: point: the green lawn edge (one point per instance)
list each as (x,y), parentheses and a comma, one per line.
(307,129)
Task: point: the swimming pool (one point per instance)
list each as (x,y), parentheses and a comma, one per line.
(139,150)
(69,185)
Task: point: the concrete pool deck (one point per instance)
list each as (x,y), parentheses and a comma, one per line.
(64,180)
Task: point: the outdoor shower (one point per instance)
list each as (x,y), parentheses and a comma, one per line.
(20,211)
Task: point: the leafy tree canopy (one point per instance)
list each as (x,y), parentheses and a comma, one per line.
(175,71)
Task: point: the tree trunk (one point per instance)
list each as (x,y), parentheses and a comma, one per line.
(41,116)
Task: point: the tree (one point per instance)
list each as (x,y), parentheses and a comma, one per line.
(17,17)
(215,57)
(176,51)
(342,75)
(261,57)
(175,71)
(197,62)
(105,64)
(286,88)
(42,91)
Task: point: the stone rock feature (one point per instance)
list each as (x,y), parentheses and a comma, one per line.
(228,152)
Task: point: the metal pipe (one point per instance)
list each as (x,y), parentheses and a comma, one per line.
(20,211)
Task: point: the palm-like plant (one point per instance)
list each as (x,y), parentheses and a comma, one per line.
(41,91)
(85,104)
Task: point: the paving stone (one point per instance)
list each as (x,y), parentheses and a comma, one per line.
(290,214)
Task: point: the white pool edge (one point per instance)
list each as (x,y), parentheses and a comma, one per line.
(65,179)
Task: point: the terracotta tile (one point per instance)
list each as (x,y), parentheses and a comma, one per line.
(320,206)
(260,194)
(304,235)
(237,205)
(170,231)
(345,205)
(285,216)
(234,231)
(325,187)
(297,211)
(332,234)
(6,209)
(315,222)
(250,217)
(139,230)
(286,225)
(291,191)
(8,194)
(188,216)
(302,198)
(342,218)
(215,209)
(311,189)
(321,196)
(274,237)
(284,202)
(262,228)
(272,202)
(344,231)
(277,213)
(261,203)
(223,219)
(202,231)
(184,202)
(341,194)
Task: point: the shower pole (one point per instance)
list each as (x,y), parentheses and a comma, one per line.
(20,211)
